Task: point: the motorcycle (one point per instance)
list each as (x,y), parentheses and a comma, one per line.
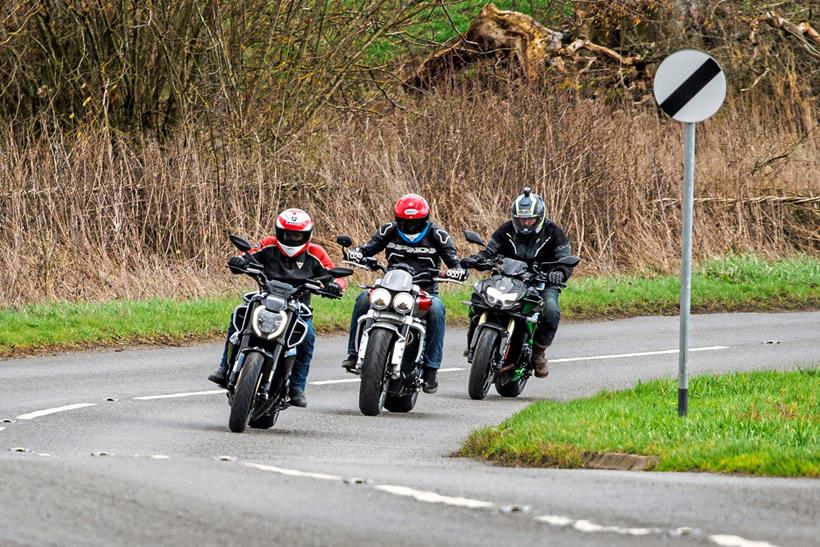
(390,337)
(269,327)
(508,305)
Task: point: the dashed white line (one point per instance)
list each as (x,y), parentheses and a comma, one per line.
(737,541)
(587,526)
(639,354)
(579,525)
(433,497)
(46,412)
(177,395)
(294,472)
(2,428)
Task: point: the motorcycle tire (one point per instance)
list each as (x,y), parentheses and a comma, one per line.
(247,386)
(373,388)
(511,389)
(481,375)
(265,422)
(404,403)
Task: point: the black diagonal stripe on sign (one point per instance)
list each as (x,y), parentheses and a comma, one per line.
(690,87)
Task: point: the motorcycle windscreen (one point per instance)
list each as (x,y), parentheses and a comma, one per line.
(397,280)
(511,266)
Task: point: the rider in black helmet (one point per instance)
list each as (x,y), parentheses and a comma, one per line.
(531,237)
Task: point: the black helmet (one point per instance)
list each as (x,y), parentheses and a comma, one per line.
(528,213)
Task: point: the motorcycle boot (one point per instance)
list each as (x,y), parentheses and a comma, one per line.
(430,382)
(350,363)
(219,376)
(539,362)
(297,397)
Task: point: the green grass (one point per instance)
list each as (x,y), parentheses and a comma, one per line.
(728,284)
(761,423)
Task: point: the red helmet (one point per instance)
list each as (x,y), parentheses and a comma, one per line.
(293,230)
(412,214)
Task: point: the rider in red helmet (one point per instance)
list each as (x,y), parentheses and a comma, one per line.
(413,240)
(289,256)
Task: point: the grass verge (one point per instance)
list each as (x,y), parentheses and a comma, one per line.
(761,423)
(733,283)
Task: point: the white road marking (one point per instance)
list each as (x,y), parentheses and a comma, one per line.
(2,428)
(580,525)
(328,382)
(46,412)
(294,472)
(639,354)
(355,380)
(159,457)
(448,369)
(737,541)
(176,395)
(432,497)
(587,526)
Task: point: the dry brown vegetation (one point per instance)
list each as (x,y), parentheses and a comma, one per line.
(97,209)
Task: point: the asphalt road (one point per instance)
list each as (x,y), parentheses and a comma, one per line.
(174,475)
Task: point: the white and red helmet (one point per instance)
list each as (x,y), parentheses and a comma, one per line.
(412,213)
(294,228)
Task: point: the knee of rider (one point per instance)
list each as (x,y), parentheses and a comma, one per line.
(361,300)
(551,309)
(437,308)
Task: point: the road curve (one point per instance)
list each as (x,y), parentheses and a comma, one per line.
(105,460)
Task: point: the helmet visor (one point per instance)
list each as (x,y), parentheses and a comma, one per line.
(411,225)
(527,224)
(292,238)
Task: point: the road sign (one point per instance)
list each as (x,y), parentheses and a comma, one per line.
(689,86)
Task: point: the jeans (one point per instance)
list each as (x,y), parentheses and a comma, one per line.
(547,324)
(436,324)
(304,353)
(550,317)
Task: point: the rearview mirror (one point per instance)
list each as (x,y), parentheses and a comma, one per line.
(344,241)
(570,261)
(240,243)
(473,237)
(340,272)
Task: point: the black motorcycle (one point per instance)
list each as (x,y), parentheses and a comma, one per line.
(508,305)
(269,326)
(390,338)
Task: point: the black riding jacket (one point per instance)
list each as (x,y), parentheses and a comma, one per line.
(548,245)
(427,253)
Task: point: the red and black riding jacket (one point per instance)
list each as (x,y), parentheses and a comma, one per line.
(294,270)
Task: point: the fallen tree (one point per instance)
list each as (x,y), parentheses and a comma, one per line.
(514,39)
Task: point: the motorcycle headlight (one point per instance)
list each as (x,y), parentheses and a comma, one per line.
(403,302)
(497,298)
(268,324)
(380,299)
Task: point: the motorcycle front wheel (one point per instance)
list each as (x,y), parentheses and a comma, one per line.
(373,389)
(481,368)
(247,386)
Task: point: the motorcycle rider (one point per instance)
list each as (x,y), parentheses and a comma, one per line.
(533,238)
(290,257)
(413,240)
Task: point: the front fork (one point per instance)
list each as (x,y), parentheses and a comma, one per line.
(504,347)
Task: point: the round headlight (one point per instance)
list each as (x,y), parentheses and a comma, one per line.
(380,299)
(403,302)
(268,324)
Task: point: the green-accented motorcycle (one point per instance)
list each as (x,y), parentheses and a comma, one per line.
(508,305)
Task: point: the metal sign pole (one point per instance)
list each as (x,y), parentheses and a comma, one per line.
(686,265)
